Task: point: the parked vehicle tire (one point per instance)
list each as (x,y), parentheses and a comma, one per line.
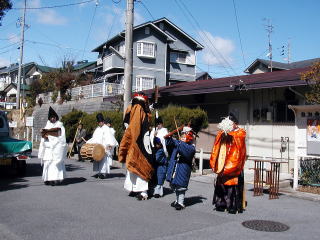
(18,167)
(22,166)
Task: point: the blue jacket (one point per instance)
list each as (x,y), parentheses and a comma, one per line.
(161,166)
(180,163)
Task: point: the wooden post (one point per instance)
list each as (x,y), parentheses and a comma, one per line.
(201,161)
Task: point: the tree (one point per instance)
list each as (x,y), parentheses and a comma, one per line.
(312,77)
(5,5)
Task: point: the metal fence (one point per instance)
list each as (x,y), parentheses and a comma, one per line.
(103,89)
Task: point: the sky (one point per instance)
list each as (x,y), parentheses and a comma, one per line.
(233,32)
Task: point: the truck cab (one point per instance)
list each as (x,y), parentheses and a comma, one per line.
(13,152)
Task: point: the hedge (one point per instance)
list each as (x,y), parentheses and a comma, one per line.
(168,114)
(183,115)
(70,123)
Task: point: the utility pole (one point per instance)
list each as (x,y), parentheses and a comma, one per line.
(128,55)
(269,29)
(21,55)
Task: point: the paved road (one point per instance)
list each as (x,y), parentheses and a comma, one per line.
(87,208)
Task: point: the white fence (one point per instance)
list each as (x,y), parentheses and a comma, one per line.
(103,89)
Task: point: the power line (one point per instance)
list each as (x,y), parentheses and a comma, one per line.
(6,51)
(7,39)
(140,1)
(236,16)
(197,23)
(56,6)
(54,45)
(86,42)
(202,33)
(9,45)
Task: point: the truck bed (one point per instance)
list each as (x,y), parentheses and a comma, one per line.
(10,146)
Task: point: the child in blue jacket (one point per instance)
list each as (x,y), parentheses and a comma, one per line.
(180,164)
(161,163)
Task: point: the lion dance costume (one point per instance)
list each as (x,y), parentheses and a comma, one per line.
(227,161)
(135,147)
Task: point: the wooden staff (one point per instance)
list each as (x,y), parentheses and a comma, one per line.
(74,139)
(156,95)
(175,122)
(174,131)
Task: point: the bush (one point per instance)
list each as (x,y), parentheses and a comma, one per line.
(71,121)
(89,122)
(182,115)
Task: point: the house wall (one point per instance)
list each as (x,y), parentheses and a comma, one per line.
(263,135)
(183,72)
(143,66)
(12,91)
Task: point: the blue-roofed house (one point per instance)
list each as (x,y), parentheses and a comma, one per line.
(163,54)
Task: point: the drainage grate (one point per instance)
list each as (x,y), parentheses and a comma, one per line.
(265,226)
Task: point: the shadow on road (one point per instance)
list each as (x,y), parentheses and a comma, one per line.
(73,167)
(189,201)
(116,175)
(11,180)
(10,183)
(73,180)
(265,191)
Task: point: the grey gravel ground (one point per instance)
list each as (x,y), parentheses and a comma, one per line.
(88,208)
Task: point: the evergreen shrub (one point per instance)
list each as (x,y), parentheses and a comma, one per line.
(70,123)
(89,121)
(182,115)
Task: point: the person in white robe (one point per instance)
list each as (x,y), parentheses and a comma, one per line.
(102,135)
(52,152)
(111,142)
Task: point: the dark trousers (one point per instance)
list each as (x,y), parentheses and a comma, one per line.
(228,197)
(78,147)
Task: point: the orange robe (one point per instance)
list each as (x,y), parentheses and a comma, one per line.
(129,150)
(233,157)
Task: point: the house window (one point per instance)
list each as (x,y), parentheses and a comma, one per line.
(182,57)
(144,83)
(146,49)
(282,112)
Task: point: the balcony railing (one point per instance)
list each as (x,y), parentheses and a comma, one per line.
(112,61)
(103,89)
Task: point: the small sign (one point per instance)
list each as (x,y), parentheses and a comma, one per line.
(29,122)
(12,124)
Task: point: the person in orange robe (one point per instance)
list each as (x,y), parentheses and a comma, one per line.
(227,161)
(135,147)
